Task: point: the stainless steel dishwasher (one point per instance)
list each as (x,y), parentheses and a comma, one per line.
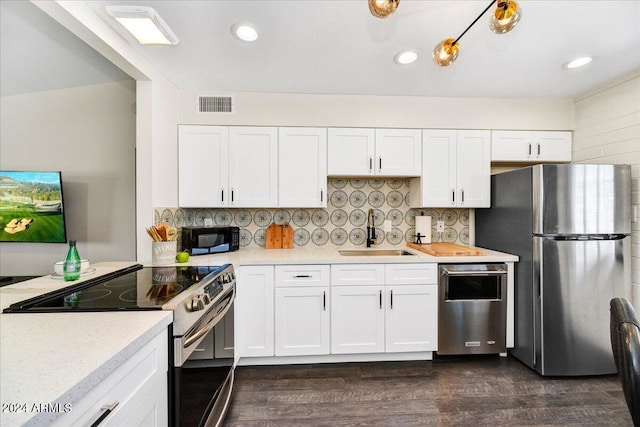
(472,310)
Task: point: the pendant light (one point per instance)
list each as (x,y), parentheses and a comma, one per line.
(505,17)
(446,52)
(503,20)
(383,8)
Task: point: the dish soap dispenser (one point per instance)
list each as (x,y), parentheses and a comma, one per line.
(72,263)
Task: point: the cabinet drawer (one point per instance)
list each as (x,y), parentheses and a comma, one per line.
(138,385)
(411,274)
(357,274)
(302,275)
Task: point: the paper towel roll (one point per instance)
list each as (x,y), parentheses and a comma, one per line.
(423,227)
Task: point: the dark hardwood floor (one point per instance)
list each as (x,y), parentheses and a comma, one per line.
(451,391)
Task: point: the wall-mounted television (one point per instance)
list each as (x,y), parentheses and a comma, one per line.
(31,207)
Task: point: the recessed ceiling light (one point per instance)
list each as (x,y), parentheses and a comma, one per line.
(144,24)
(578,62)
(244,32)
(405,57)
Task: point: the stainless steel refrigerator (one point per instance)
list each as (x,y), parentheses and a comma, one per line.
(570,225)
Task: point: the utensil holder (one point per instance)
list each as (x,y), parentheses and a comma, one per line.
(163,253)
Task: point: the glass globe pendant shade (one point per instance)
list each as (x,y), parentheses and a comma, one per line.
(445,52)
(383,8)
(505,17)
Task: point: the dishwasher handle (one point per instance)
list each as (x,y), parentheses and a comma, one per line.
(446,272)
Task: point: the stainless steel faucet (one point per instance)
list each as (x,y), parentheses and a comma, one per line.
(371,229)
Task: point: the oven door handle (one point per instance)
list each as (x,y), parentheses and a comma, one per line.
(201,332)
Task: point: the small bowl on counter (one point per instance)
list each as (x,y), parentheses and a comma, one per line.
(58,267)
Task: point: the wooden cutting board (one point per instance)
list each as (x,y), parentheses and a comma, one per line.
(287,236)
(447,249)
(274,236)
(279,236)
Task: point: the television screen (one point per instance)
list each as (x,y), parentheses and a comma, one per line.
(31,208)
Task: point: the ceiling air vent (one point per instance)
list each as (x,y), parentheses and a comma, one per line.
(215,104)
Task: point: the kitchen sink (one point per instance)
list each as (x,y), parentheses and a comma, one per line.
(374,252)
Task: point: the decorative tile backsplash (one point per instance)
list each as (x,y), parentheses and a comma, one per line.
(343,222)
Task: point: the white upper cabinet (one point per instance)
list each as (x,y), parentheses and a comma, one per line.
(473,169)
(203,166)
(530,146)
(374,152)
(456,170)
(302,167)
(220,166)
(350,152)
(253,166)
(398,152)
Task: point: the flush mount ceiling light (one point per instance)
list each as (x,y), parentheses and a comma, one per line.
(383,8)
(244,32)
(504,19)
(144,24)
(405,57)
(578,62)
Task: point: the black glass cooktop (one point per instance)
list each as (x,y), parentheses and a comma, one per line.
(135,288)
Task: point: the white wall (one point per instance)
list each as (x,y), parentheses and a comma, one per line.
(608,131)
(89,134)
(279,109)
(156,127)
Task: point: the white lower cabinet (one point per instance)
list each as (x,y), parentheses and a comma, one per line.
(139,385)
(255,305)
(302,321)
(357,319)
(378,317)
(410,323)
(340,309)
(302,307)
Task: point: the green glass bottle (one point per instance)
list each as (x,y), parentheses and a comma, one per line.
(72,263)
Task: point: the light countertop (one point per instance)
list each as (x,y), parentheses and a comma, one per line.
(56,358)
(330,255)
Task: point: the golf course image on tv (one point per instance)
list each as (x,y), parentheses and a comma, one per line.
(31,207)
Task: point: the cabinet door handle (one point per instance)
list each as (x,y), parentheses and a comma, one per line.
(370,163)
(302,276)
(324,300)
(380,293)
(453,195)
(222,191)
(529,148)
(232,195)
(538,149)
(462,195)
(380,163)
(321,195)
(107,410)
(391,299)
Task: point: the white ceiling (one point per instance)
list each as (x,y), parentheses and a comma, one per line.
(338,47)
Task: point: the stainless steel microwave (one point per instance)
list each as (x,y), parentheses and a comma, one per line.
(210,240)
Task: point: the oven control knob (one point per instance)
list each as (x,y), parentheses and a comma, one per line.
(206,299)
(197,303)
(225,278)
